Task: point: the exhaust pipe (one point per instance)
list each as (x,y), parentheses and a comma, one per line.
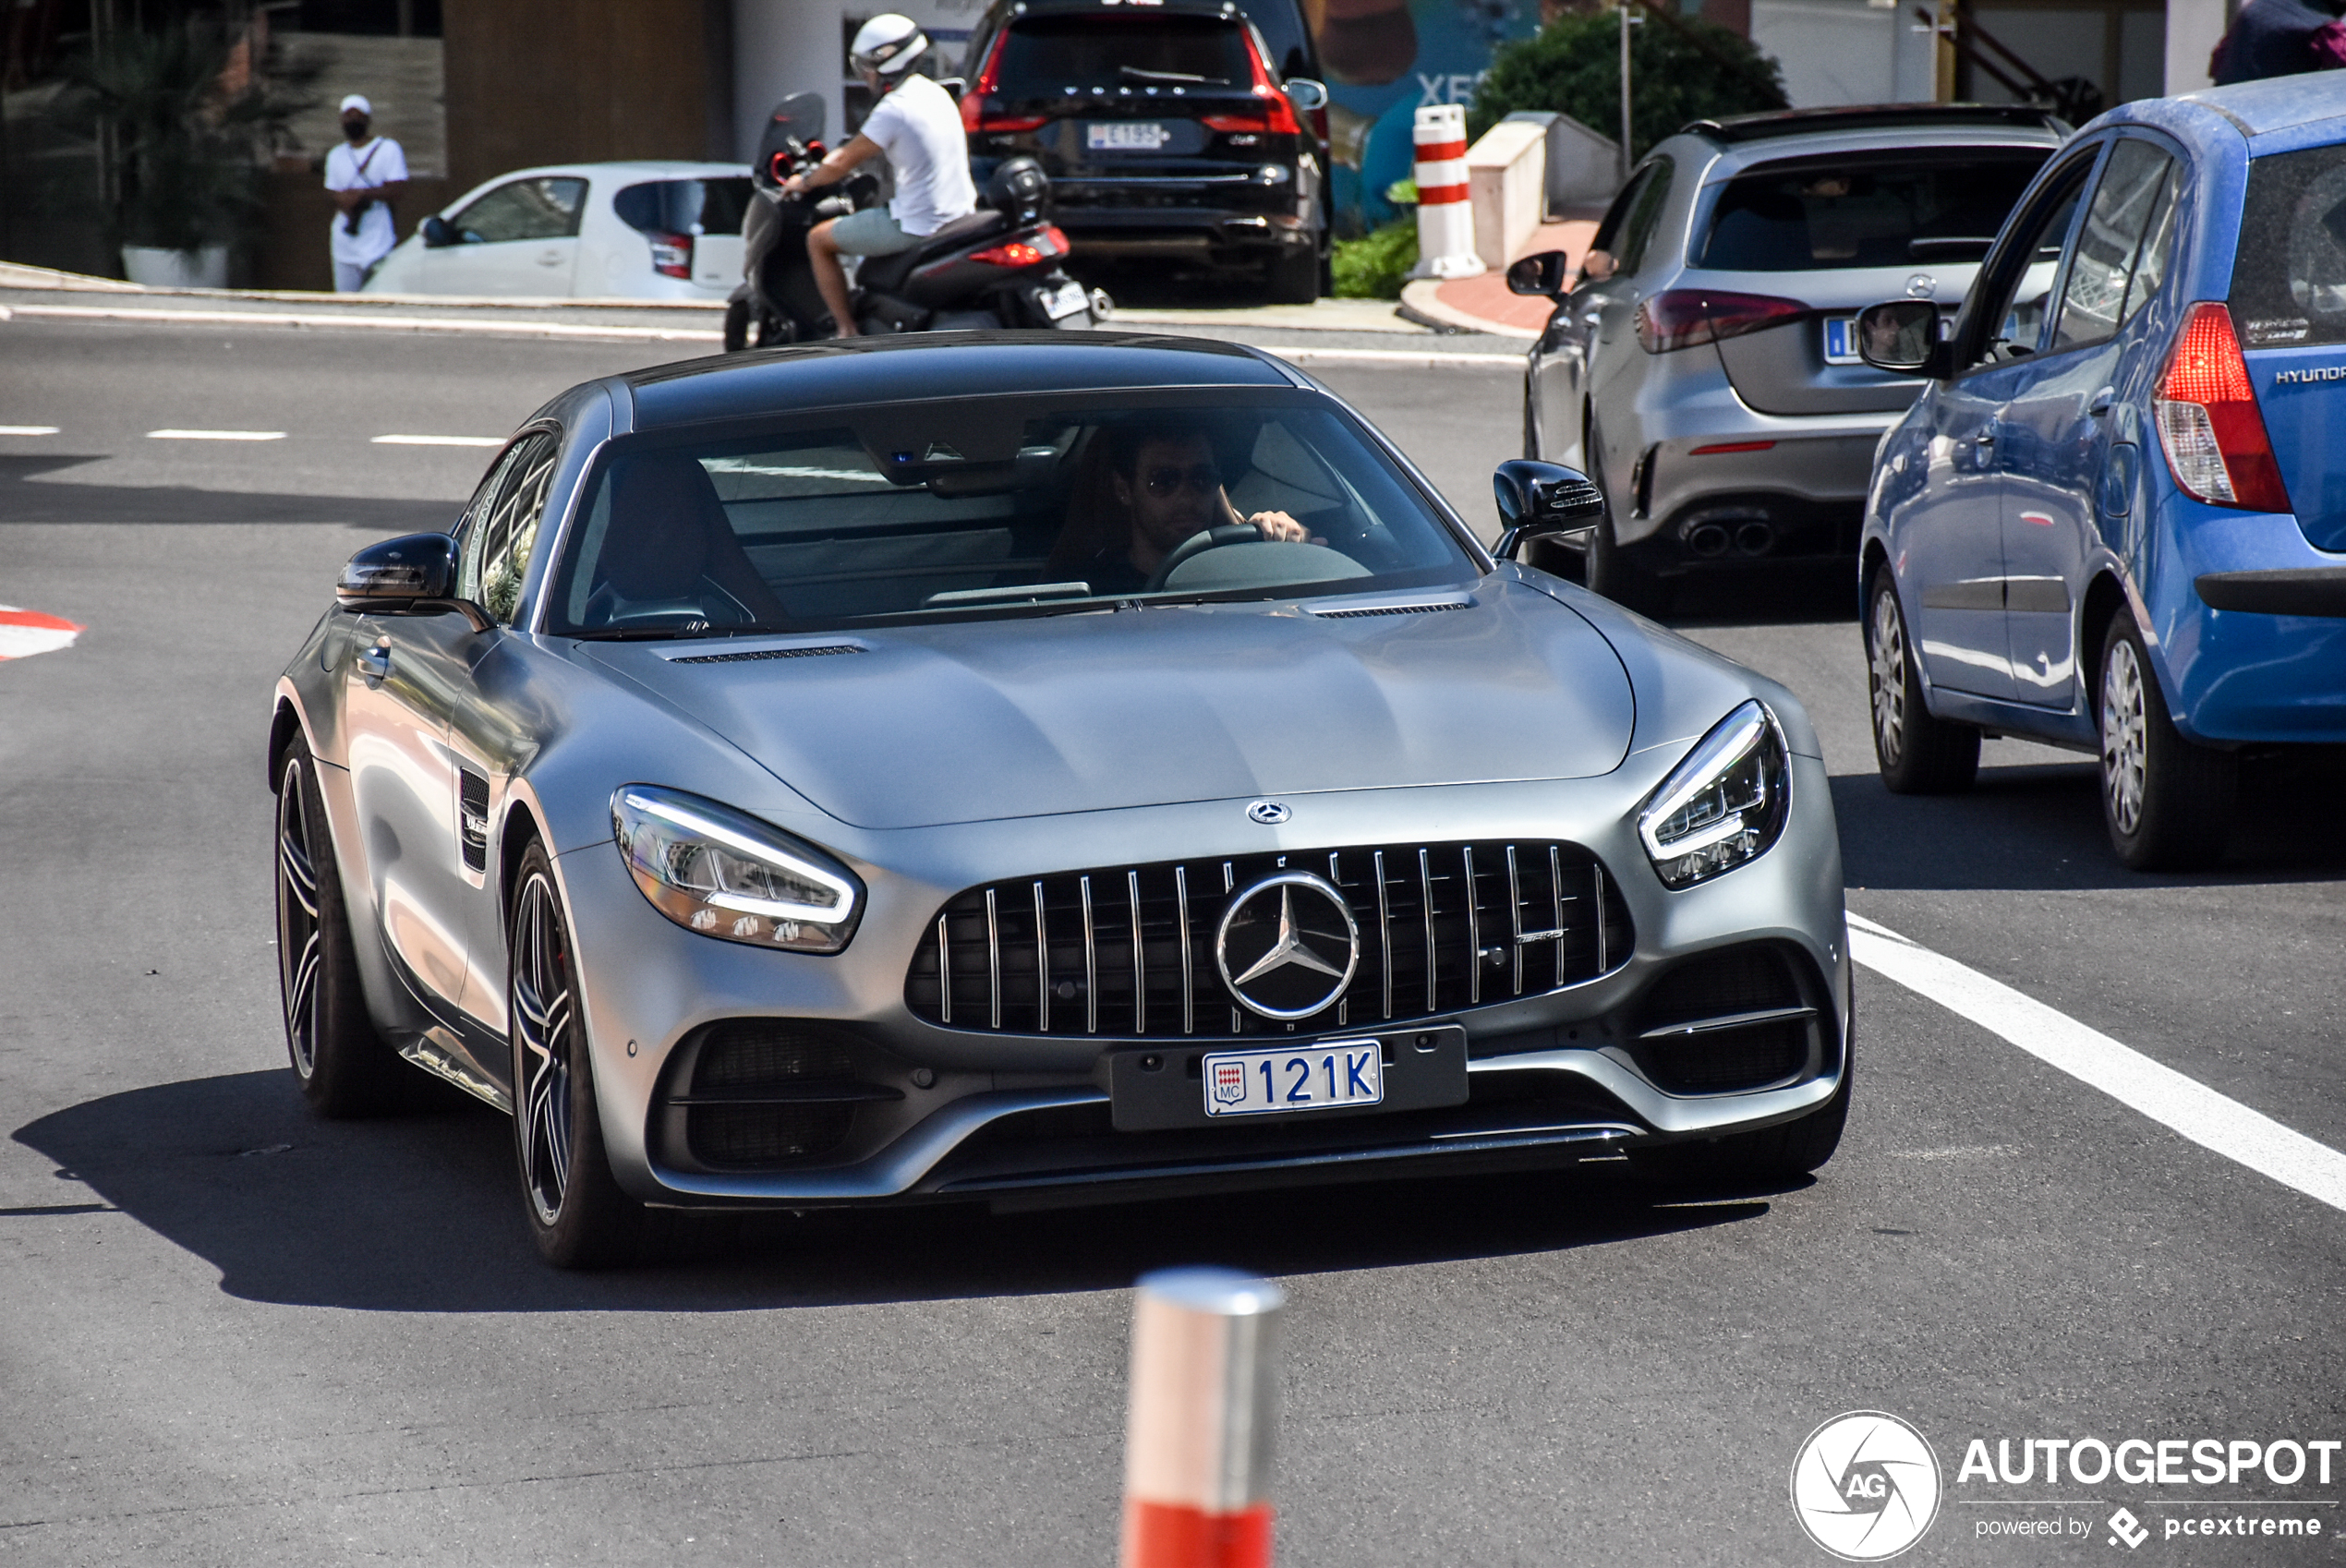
(1755,538)
(1710,539)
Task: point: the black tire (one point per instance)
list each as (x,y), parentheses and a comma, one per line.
(577,1214)
(343,1066)
(1293,278)
(736,325)
(2168,803)
(1918,755)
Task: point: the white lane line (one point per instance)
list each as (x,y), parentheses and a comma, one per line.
(359,324)
(215,435)
(439,441)
(28,429)
(1405,359)
(2211,1120)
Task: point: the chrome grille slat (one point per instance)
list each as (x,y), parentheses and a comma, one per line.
(1429,961)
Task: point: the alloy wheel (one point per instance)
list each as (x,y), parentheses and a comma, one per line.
(544,1024)
(300,933)
(1886,666)
(2124,731)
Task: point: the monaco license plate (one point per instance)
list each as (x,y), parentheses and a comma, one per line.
(1063,301)
(1841,340)
(1125,135)
(1327,1075)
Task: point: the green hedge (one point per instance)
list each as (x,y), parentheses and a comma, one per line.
(1378,263)
(1689,71)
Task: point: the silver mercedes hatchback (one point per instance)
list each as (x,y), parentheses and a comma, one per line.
(1700,366)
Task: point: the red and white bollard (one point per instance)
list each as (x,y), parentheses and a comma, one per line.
(1445,216)
(1197,1452)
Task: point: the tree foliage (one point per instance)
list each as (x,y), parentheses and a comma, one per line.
(1689,71)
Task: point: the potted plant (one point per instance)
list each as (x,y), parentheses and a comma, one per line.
(184,121)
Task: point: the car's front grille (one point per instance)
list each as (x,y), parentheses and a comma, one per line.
(1129,951)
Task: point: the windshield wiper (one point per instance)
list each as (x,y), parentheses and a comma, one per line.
(1187,78)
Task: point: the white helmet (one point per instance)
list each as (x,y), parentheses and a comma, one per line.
(889,45)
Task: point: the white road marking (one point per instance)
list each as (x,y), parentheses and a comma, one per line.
(1407,358)
(440,441)
(215,435)
(2211,1120)
(361,323)
(28,429)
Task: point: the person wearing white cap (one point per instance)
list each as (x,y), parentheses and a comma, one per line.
(365,176)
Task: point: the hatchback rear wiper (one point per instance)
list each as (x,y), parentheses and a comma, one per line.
(1135,73)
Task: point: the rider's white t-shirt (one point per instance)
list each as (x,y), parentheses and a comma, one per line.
(919,126)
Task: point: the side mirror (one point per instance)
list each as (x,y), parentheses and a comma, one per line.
(437,232)
(1541,499)
(1308,96)
(1544,274)
(414,575)
(1902,335)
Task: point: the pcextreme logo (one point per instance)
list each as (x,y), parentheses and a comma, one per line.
(1864,1486)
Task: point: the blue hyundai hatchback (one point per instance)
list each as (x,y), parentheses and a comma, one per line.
(2115,519)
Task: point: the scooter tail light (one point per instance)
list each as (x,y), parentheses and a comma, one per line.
(672,255)
(1016,253)
(2209,424)
(1682,318)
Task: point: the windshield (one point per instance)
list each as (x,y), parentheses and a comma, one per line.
(1883,210)
(991,507)
(1053,56)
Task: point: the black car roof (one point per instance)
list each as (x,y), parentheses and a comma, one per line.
(1872,116)
(938,365)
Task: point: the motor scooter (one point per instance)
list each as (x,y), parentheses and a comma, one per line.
(1001,266)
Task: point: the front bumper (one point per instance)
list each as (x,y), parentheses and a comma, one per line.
(1018,1119)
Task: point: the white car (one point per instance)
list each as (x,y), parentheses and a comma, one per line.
(583,231)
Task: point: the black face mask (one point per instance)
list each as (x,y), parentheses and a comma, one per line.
(355,130)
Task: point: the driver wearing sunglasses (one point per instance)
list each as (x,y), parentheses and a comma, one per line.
(1167,486)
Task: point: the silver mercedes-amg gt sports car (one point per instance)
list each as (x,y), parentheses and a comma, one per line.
(1035,771)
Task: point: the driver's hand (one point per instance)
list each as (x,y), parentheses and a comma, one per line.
(1279,529)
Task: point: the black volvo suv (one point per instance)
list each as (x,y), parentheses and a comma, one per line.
(1190,132)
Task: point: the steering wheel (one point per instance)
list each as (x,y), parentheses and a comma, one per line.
(1197,545)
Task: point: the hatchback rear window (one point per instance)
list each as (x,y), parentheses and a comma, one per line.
(1879,210)
(684,207)
(1051,57)
(2289,282)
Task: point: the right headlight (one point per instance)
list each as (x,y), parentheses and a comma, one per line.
(1724,804)
(724,874)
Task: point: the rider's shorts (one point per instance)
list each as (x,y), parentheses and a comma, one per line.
(872,232)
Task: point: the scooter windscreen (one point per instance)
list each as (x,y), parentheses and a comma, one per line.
(796,119)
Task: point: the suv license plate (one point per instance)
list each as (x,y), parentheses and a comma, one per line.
(1124,136)
(1327,1075)
(1064,301)
(1841,340)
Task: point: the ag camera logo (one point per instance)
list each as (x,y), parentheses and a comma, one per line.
(1864,1486)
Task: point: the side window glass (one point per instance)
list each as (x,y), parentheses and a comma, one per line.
(2159,243)
(503,530)
(2094,301)
(1645,217)
(2019,284)
(1603,257)
(546,208)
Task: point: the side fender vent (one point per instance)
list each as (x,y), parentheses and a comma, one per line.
(472,820)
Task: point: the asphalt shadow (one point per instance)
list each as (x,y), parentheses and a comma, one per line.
(23,499)
(422,1213)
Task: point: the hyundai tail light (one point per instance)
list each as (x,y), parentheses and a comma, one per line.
(1681,318)
(672,255)
(2209,421)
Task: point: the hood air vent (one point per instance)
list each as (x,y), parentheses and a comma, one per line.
(745,657)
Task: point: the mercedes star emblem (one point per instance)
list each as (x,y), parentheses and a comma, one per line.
(1270,813)
(1287,946)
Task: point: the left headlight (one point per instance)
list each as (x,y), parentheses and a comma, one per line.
(713,870)
(1724,804)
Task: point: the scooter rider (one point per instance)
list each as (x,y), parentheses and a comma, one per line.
(916,125)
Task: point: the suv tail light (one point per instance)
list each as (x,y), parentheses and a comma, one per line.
(672,254)
(1681,318)
(2209,421)
(1274,114)
(974,118)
